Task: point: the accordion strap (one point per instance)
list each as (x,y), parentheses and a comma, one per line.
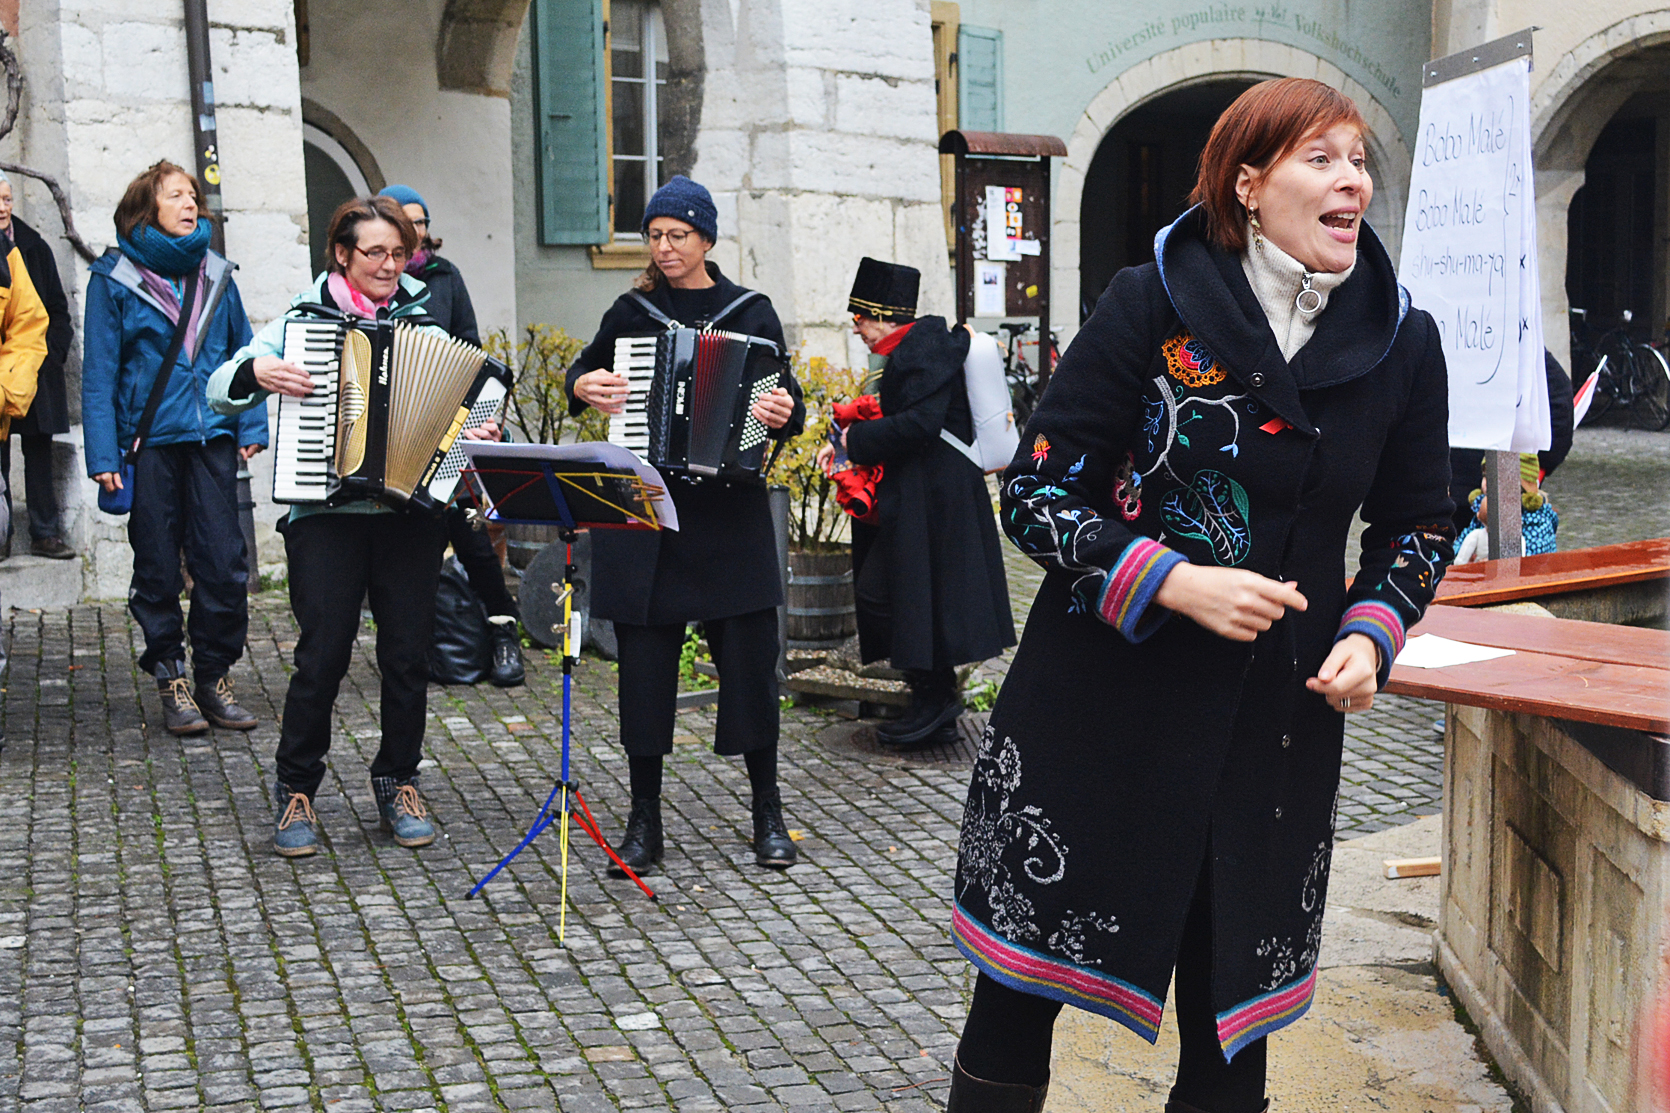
(666,321)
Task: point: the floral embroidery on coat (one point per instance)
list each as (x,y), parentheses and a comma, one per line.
(1188,361)
(1285,964)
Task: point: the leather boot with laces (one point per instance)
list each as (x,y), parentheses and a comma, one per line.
(180,713)
(295,827)
(642,846)
(402,812)
(975,1095)
(773,848)
(216,700)
(507,653)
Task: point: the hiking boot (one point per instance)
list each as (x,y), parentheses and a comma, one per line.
(773,848)
(221,707)
(53,548)
(975,1095)
(295,827)
(934,703)
(507,653)
(180,712)
(402,811)
(642,846)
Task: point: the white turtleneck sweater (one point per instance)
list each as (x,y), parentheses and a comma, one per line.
(1277,278)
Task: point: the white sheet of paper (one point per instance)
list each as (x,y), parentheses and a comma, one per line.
(989,282)
(1026,247)
(998,244)
(1429,651)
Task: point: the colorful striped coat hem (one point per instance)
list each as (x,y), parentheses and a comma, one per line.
(1259,1017)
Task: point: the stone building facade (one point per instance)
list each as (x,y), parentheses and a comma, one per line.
(533,130)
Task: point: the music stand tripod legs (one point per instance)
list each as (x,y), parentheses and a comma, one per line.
(565,794)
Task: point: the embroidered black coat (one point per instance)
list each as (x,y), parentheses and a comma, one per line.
(929,575)
(722,560)
(1128,747)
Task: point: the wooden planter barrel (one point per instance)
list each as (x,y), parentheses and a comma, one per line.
(820,598)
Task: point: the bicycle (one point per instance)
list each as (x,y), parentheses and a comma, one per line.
(1023,384)
(1634,375)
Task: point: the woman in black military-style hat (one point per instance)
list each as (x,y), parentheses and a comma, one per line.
(929,574)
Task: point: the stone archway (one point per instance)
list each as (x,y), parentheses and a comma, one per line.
(1197,63)
(476,48)
(1569,109)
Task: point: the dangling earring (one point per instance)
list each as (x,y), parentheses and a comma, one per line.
(1258,229)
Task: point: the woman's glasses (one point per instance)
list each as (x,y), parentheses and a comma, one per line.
(381,255)
(675,236)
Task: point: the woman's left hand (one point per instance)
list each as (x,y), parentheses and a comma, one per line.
(486,431)
(1347,678)
(774,408)
(250,450)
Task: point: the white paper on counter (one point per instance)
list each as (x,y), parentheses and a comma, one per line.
(1429,651)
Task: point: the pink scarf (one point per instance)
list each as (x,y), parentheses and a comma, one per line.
(350,300)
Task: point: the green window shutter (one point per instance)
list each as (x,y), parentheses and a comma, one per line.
(980,92)
(569,96)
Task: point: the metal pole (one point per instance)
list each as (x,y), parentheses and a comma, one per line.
(1502,522)
(201,75)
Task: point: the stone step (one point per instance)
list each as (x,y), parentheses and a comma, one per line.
(31,582)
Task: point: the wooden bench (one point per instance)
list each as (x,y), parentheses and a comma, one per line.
(1538,577)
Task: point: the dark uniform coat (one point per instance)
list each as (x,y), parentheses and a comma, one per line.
(722,560)
(50,412)
(1129,748)
(449,299)
(929,574)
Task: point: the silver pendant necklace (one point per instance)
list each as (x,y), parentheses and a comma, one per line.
(1309,300)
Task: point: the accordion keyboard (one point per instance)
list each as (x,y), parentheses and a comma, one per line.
(306,433)
(635,362)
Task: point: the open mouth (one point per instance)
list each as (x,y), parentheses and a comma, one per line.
(1342,223)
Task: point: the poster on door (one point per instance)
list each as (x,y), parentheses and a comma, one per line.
(1470,255)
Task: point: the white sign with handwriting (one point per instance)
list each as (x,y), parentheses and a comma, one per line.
(1470,255)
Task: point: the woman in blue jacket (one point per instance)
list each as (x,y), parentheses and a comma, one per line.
(185,479)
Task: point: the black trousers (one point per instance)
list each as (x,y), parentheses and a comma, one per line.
(1008,1033)
(481,563)
(745,652)
(185,496)
(37,483)
(336,560)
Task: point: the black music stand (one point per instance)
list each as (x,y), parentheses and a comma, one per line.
(575,487)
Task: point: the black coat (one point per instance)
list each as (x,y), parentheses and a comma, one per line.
(449,300)
(50,411)
(929,574)
(722,560)
(1128,746)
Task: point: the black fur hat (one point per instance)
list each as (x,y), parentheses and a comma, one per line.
(885,291)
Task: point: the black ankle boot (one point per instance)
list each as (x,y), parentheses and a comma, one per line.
(507,671)
(180,714)
(934,702)
(642,846)
(773,848)
(217,701)
(1185,1107)
(976,1095)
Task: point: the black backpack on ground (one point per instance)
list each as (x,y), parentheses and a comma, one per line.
(461,651)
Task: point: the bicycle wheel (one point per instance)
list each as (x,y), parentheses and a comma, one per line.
(1651,409)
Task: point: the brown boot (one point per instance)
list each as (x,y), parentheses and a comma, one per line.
(976,1095)
(217,701)
(180,712)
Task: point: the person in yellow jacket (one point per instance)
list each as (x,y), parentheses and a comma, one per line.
(23,321)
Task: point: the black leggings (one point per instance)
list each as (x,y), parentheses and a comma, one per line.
(1008,1034)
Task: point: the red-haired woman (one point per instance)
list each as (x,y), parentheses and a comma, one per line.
(1156,788)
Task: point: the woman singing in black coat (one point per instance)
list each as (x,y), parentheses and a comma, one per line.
(718,568)
(1155,791)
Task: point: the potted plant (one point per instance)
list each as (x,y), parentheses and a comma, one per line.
(820,593)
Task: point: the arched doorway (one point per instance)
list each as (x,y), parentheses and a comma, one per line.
(1140,179)
(334,174)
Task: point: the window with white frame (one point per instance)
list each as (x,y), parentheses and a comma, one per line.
(638,70)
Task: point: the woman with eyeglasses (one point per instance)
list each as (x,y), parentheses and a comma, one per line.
(340,554)
(718,568)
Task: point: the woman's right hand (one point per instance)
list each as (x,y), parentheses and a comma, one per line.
(111,481)
(826,457)
(278,376)
(602,390)
(1231,602)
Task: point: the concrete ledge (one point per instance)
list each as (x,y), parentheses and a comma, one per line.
(31,582)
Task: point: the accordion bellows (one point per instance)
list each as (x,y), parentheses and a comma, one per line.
(389,402)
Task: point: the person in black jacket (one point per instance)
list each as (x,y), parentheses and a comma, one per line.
(1467,464)
(928,575)
(50,411)
(718,568)
(449,305)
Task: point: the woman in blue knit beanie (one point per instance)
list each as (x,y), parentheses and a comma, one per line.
(719,568)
